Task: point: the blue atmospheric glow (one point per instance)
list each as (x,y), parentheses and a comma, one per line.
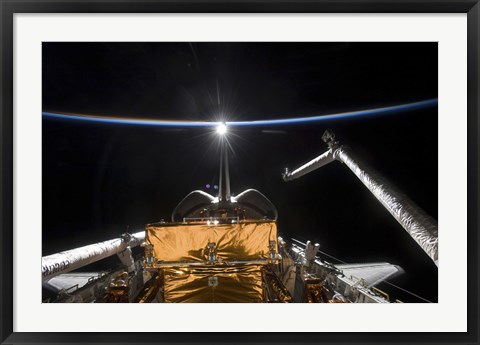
(293,120)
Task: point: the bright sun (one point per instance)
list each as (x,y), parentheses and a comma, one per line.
(222,129)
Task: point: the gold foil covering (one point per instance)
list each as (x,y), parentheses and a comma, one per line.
(188,243)
(214,284)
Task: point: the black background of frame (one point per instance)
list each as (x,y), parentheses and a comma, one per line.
(9,7)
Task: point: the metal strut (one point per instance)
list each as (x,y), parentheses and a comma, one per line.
(224,193)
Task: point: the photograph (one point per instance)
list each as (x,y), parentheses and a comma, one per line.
(240,172)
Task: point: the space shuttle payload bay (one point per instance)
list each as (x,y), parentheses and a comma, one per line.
(222,248)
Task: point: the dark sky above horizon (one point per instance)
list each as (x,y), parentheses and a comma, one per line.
(100,178)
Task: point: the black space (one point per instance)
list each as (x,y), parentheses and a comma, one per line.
(100,178)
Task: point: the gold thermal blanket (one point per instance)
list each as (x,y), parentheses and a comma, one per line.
(188,243)
(236,284)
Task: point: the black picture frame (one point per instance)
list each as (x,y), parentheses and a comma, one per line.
(10,7)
